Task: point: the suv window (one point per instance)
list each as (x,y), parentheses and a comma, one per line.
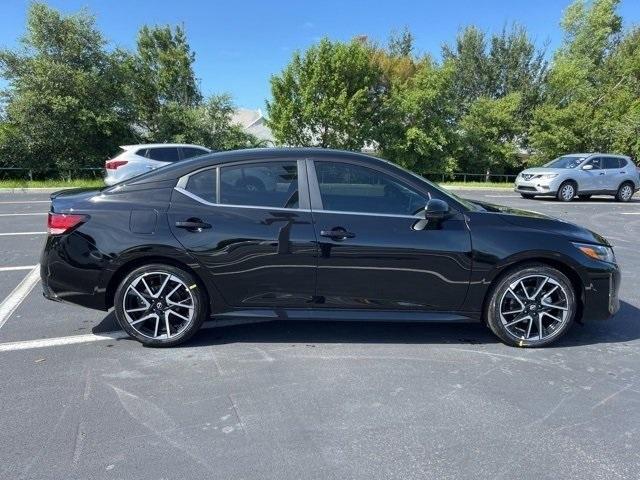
(203,185)
(346,187)
(163,154)
(595,162)
(190,152)
(611,162)
(268,184)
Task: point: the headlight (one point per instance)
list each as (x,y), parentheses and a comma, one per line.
(597,252)
(548,176)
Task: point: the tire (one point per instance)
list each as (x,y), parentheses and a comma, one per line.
(180,297)
(566,191)
(528,196)
(625,192)
(584,197)
(507,302)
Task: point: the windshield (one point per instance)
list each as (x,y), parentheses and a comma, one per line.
(566,161)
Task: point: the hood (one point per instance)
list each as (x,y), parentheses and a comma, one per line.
(545,223)
(542,170)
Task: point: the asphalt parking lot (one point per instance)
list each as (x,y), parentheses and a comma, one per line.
(314,400)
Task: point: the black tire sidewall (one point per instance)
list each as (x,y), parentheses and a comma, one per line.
(200,307)
(492,313)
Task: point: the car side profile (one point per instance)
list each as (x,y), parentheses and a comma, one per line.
(135,160)
(318,235)
(581,175)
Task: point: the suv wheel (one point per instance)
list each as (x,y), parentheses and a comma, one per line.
(566,192)
(625,192)
(532,306)
(160,305)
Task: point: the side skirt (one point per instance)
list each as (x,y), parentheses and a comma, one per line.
(262,314)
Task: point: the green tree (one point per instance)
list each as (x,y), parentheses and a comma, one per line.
(490,134)
(326,97)
(579,83)
(63,104)
(163,86)
(418,132)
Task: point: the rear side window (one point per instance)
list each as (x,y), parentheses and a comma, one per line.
(268,184)
(612,162)
(346,187)
(190,152)
(163,154)
(203,185)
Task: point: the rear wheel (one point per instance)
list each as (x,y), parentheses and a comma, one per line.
(625,192)
(528,196)
(566,192)
(531,306)
(160,305)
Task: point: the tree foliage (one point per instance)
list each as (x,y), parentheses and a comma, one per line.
(326,97)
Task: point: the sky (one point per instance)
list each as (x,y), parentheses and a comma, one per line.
(240,44)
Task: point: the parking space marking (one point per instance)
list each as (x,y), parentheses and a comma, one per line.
(21,233)
(14,269)
(15,298)
(21,214)
(25,201)
(114,335)
(629,213)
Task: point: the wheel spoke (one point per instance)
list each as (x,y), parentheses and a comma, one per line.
(551,305)
(172,292)
(155,330)
(524,289)
(551,316)
(529,328)
(144,319)
(180,304)
(540,328)
(512,312)
(176,314)
(139,295)
(546,295)
(510,290)
(144,282)
(539,289)
(166,322)
(518,320)
(133,310)
(164,284)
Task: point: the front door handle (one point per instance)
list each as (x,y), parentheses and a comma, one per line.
(193,225)
(337,233)
(601,173)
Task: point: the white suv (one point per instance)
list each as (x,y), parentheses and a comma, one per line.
(138,159)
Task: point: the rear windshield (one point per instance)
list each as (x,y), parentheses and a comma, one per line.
(566,161)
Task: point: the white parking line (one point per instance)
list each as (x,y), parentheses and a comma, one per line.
(26,201)
(113,335)
(21,214)
(21,233)
(15,298)
(14,269)
(629,213)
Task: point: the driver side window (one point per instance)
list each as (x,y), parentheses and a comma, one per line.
(346,187)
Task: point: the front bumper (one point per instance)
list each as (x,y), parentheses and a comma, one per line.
(601,300)
(537,186)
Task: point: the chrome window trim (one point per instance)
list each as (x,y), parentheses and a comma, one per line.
(261,207)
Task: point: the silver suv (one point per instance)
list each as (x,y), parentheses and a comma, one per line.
(581,174)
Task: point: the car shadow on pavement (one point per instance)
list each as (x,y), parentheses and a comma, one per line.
(624,327)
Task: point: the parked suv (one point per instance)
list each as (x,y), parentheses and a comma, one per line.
(581,174)
(137,159)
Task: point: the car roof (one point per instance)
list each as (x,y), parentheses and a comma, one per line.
(594,154)
(155,145)
(178,169)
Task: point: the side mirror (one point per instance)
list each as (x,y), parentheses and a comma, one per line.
(437,209)
(587,167)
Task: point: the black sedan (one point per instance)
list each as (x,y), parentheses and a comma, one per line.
(317,234)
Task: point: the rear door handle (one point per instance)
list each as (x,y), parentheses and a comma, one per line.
(337,233)
(193,225)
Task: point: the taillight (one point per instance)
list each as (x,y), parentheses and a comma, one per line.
(59,223)
(114,164)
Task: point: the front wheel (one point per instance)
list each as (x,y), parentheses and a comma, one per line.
(160,305)
(532,306)
(566,192)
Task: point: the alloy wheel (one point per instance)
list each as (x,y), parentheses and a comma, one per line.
(158,305)
(534,308)
(626,192)
(567,192)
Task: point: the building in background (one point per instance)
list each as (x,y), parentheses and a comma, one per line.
(253,122)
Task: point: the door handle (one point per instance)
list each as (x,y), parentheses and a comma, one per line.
(195,225)
(338,233)
(601,173)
